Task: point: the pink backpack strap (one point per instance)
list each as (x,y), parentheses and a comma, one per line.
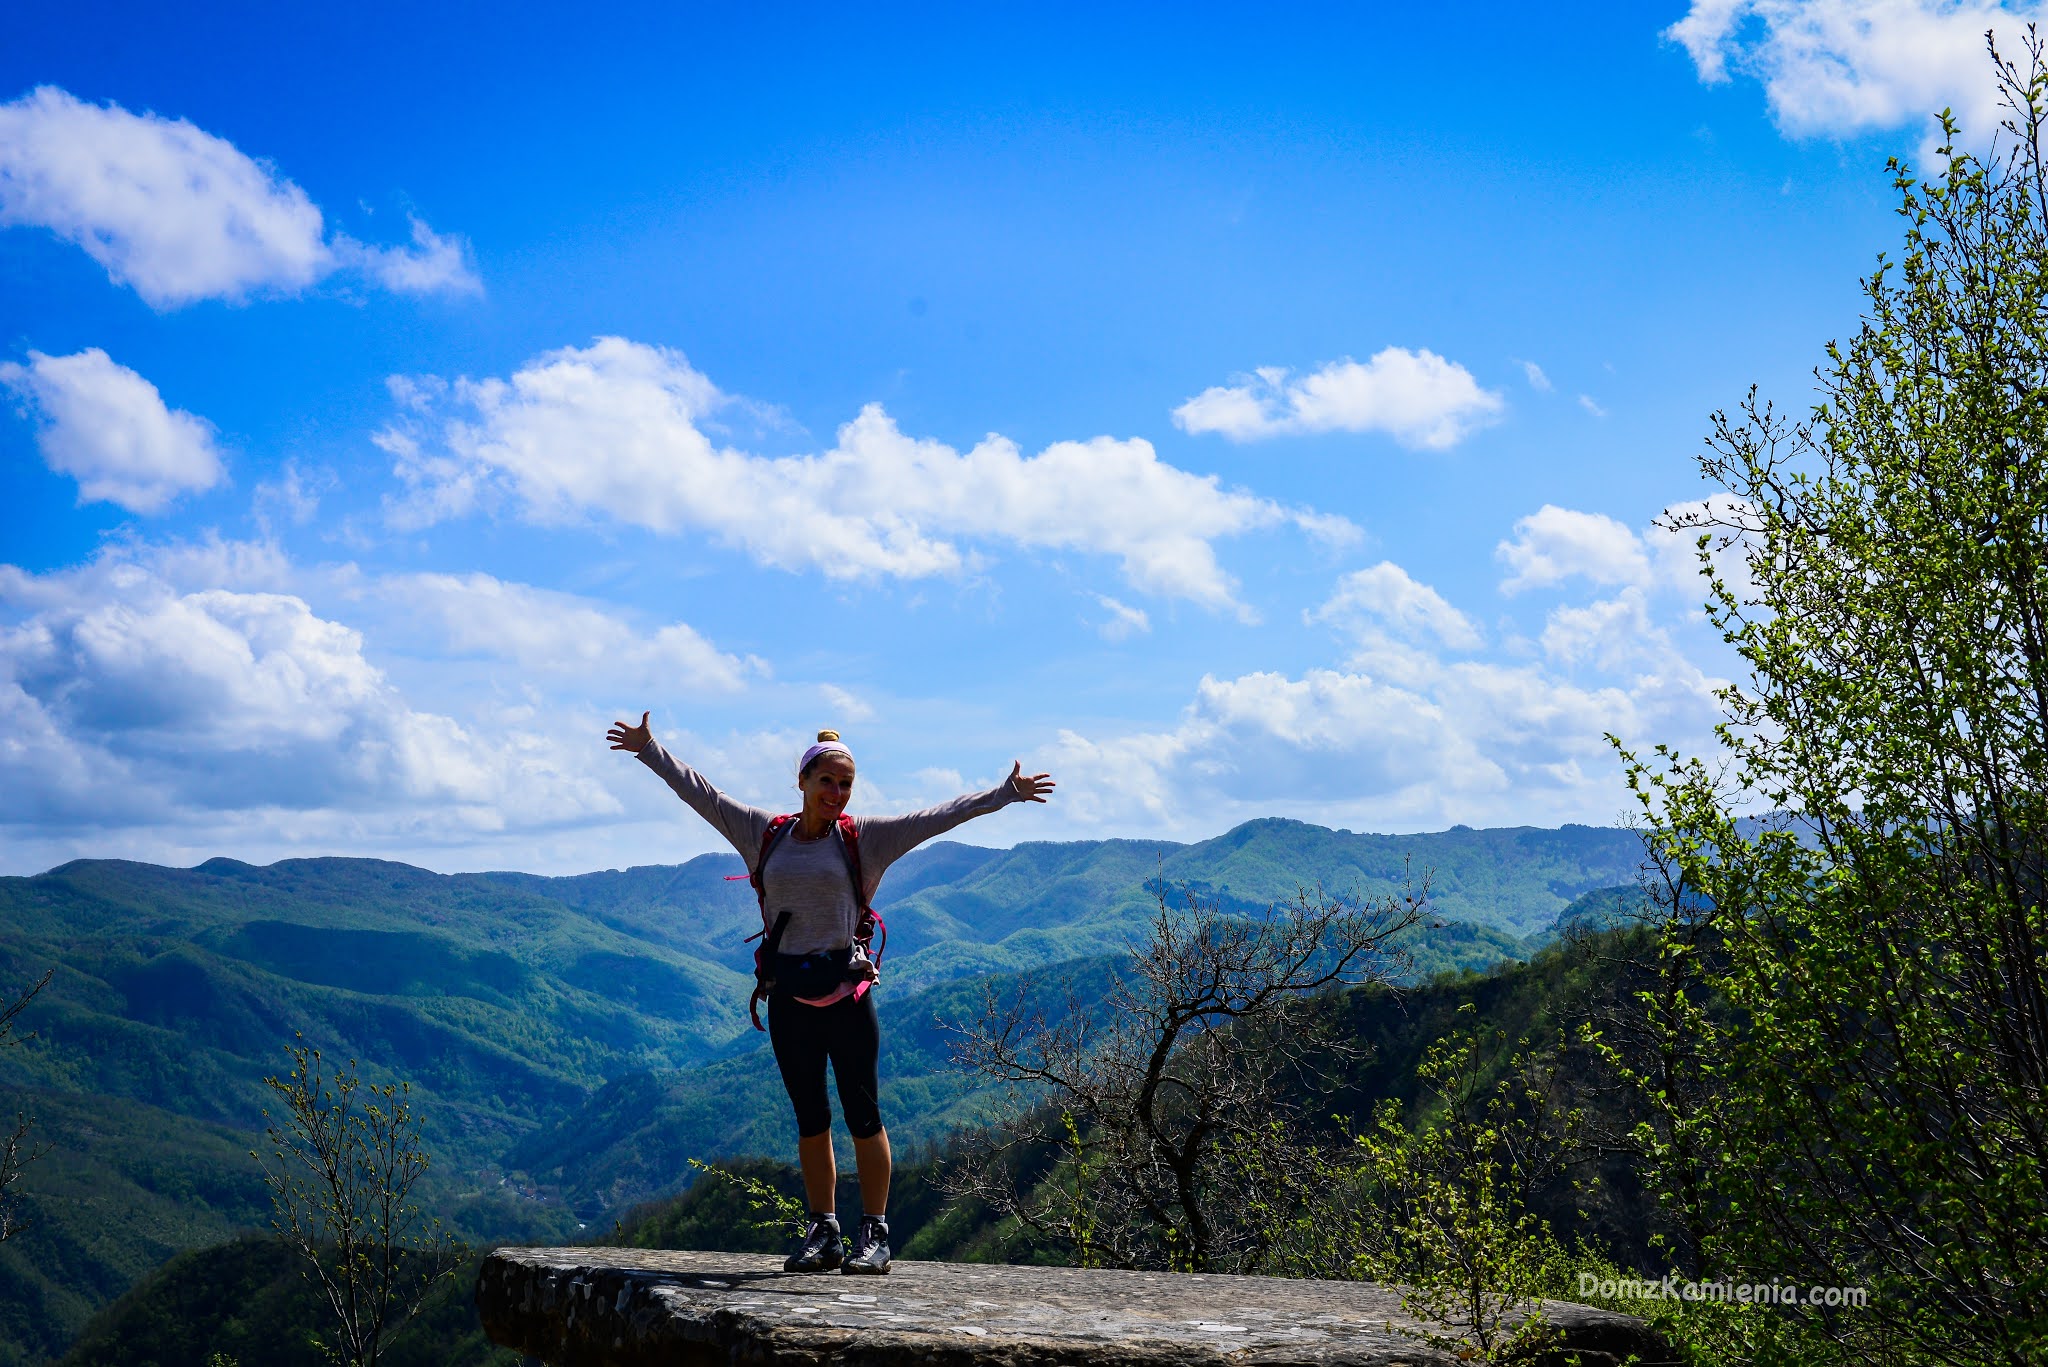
(868,921)
(764,953)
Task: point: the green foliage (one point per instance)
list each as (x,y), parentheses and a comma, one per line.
(245,1302)
(925,1222)
(1704,1332)
(636,1135)
(1296,1170)
(342,1165)
(784,1214)
(1881,948)
(1440,1203)
(17,1150)
(722,1209)
(1075,1158)
(1461,1234)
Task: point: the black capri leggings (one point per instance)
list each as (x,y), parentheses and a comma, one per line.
(845,1032)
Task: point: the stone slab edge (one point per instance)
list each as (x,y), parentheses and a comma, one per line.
(604,1307)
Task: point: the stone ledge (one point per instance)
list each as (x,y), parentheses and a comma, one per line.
(609,1307)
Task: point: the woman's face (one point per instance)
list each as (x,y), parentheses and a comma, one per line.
(829,785)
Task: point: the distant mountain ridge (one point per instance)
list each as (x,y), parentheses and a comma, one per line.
(958,903)
(523,1008)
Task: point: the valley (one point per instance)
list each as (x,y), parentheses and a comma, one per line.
(572,1042)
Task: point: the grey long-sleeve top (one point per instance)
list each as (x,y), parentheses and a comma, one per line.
(807,878)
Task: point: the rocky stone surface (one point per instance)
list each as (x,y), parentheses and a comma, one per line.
(608,1307)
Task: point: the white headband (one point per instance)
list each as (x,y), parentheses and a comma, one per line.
(823,747)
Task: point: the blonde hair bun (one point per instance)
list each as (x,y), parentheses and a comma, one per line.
(824,736)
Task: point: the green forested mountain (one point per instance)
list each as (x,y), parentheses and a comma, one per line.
(1523,1009)
(176,990)
(961,910)
(1515,879)
(247,1301)
(1010,910)
(634,1137)
(123,1187)
(243,1296)
(567,1037)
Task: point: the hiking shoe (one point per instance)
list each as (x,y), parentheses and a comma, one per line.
(819,1252)
(867,1252)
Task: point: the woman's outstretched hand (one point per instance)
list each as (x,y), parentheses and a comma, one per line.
(1030,787)
(634,738)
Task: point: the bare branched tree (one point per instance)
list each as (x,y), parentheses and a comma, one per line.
(1141,1130)
(17,1149)
(343,1161)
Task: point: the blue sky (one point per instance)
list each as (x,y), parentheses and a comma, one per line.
(1235,412)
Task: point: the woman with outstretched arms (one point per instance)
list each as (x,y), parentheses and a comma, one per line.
(820,1007)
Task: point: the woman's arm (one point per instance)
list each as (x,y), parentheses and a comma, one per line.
(741,825)
(886,839)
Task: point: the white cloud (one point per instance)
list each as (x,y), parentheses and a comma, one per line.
(1609,633)
(549,633)
(1591,405)
(1124,620)
(1385,596)
(108,428)
(618,428)
(1404,735)
(133,699)
(1123,782)
(1416,397)
(181,215)
(1831,67)
(434,263)
(173,702)
(292,494)
(1553,544)
(755,766)
(845,706)
(932,786)
(1329,732)
(1538,381)
(1468,741)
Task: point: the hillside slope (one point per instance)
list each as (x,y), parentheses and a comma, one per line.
(243,1296)
(586,1031)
